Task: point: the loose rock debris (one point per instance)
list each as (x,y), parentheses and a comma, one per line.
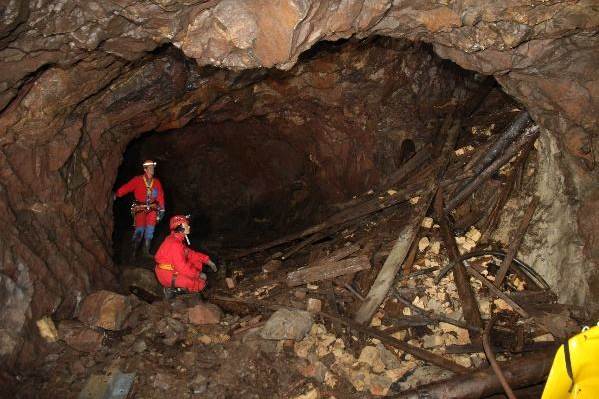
(281,322)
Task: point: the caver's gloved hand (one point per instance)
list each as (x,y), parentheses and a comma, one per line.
(212,265)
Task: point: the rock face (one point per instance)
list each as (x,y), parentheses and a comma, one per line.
(204,313)
(78,81)
(287,324)
(105,309)
(80,337)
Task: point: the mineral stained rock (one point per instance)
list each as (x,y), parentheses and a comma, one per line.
(79,80)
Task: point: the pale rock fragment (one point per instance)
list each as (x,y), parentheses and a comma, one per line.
(431,341)
(423,244)
(314,305)
(501,304)
(47,329)
(414,200)
(484,305)
(371,356)
(311,394)
(430,263)
(427,222)
(435,247)
(544,338)
(473,234)
(462,360)
(391,192)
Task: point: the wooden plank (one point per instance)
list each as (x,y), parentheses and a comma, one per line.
(529,370)
(462,281)
(328,270)
(369,207)
(384,280)
(518,237)
(524,140)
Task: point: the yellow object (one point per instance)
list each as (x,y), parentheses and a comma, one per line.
(584,358)
(166,266)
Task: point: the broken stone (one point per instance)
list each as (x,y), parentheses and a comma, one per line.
(414,200)
(473,234)
(47,329)
(105,309)
(330,379)
(544,338)
(314,305)
(371,356)
(80,337)
(461,334)
(199,384)
(271,266)
(423,243)
(139,346)
(287,324)
(462,360)
(300,294)
(389,359)
(204,313)
(164,381)
(77,367)
(501,304)
(316,370)
(379,385)
(311,394)
(427,222)
(435,247)
(432,341)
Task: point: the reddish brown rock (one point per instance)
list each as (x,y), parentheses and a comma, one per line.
(72,98)
(204,313)
(105,309)
(79,336)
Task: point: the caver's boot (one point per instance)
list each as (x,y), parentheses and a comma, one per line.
(135,244)
(146,250)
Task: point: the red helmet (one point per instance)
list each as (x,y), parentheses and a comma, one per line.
(178,220)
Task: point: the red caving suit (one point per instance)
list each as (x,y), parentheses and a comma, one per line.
(174,256)
(143,189)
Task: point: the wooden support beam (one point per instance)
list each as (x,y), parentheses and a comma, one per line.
(517,240)
(523,141)
(462,281)
(384,280)
(521,372)
(328,270)
(366,208)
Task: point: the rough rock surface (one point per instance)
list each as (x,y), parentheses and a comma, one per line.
(204,313)
(78,82)
(105,309)
(80,337)
(287,324)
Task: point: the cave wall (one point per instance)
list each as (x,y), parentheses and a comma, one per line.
(78,81)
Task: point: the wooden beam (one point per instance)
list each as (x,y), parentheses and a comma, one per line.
(462,281)
(518,237)
(328,270)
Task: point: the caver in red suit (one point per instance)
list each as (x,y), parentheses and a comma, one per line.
(177,265)
(149,203)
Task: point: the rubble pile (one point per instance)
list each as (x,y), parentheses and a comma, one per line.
(402,287)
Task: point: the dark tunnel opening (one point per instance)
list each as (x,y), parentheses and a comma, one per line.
(284,152)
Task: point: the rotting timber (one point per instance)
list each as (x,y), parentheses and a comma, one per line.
(436,189)
(366,274)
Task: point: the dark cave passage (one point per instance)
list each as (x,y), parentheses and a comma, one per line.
(290,148)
